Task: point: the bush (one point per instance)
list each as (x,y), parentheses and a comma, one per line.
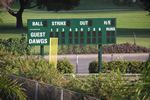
(6,59)
(112,86)
(79,85)
(38,69)
(145,87)
(135,67)
(15,46)
(115,65)
(30,67)
(125,48)
(123,66)
(64,66)
(9,89)
(93,67)
(109,86)
(114,48)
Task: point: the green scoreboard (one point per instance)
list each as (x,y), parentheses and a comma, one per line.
(72,31)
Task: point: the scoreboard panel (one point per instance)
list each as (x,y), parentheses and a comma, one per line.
(73,31)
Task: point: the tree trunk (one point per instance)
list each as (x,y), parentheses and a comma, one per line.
(18,14)
(19,22)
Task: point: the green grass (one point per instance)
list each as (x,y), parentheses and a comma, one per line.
(125,19)
(6,36)
(141,41)
(102,4)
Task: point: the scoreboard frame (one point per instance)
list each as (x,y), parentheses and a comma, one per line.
(73,31)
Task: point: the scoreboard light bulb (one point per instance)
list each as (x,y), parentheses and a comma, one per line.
(76,29)
(57,29)
(70,29)
(89,29)
(99,29)
(51,30)
(63,30)
(94,29)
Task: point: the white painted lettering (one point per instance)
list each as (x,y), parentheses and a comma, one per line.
(38,34)
(83,23)
(38,41)
(108,22)
(37,24)
(110,29)
(58,23)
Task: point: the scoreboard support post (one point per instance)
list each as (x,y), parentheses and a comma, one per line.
(42,50)
(99,57)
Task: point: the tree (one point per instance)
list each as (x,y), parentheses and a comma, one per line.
(147,5)
(0,18)
(18,14)
(54,5)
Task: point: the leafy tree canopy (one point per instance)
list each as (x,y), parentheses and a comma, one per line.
(53,5)
(146,5)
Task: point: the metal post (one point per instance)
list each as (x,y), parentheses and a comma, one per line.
(99,58)
(36,90)
(42,50)
(134,38)
(62,95)
(77,63)
(111,57)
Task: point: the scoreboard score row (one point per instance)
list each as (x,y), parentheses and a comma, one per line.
(72,31)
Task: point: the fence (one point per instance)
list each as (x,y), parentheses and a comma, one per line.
(41,91)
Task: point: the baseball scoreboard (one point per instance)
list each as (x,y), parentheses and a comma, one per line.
(72,31)
(85,31)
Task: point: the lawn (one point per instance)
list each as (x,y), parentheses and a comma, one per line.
(102,4)
(141,41)
(125,19)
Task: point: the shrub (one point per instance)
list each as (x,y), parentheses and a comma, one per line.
(123,66)
(135,67)
(79,85)
(9,89)
(111,86)
(15,46)
(145,87)
(114,48)
(115,65)
(38,69)
(6,59)
(64,66)
(125,48)
(30,67)
(93,67)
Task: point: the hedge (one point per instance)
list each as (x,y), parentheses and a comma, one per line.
(123,66)
(15,46)
(64,66)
